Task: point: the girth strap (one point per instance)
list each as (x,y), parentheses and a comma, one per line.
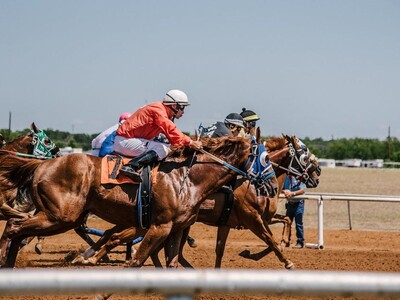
(228,204)
(144,198)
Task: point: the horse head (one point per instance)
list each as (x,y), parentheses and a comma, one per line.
(262,172)
(291,156)
(42,145)
(304,162)
(35,142)
(310,162)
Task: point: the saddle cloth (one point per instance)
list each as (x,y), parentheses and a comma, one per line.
(110,165)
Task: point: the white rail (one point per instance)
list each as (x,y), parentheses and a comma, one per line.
(320,197)
(174,283)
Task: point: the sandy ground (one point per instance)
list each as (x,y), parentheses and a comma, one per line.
(365,248)
(344,250)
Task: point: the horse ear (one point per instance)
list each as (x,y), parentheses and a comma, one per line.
(34,128)
(258,135)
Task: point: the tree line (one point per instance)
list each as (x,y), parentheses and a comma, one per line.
(361,148)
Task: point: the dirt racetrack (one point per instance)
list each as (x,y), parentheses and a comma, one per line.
(372,245)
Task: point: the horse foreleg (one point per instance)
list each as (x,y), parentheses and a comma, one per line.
(117,238)
(155,258)
(261,231)
(94,254)
(182,259)
(5,242)
(8,212)
(13,252)
(172,249)
(286,232)
(155,236)
(82,232)
(222,236)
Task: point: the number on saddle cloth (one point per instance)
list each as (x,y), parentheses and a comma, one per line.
(262,167)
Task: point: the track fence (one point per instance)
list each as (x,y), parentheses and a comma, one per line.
(185,284)
(321,197)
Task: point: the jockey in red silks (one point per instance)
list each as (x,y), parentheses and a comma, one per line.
(135,137)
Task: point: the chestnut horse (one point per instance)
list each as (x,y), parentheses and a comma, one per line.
(36,144)
(255,211)
(251,209)
(64,190)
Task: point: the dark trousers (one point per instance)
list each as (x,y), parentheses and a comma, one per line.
(295,210)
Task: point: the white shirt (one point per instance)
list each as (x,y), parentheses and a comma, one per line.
(98,140)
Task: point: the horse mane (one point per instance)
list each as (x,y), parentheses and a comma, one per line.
(275,142)
(17,143)
(2,141)
(15,169)
(219,146)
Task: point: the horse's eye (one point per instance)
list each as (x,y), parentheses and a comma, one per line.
(304,159)
(47,142)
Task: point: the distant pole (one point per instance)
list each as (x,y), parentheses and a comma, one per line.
(9,126)
(389,140)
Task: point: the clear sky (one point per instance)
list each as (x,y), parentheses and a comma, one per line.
(308,68)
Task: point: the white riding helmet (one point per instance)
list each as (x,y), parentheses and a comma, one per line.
(176,97)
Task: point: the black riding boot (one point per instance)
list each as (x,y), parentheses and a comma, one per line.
(131,168)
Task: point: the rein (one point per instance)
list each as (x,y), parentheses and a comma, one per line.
(25,154)
(229,166)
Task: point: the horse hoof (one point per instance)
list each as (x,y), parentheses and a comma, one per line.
(289,266)
(91,262)
(102,297)
(38,249)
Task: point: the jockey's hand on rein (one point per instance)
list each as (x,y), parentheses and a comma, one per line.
(196,145)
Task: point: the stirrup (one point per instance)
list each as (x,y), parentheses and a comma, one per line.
(131,173)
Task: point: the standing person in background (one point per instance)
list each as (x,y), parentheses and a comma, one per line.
(135,136)
(293,187)
(249,120)
(98,141)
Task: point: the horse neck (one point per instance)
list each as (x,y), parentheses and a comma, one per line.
(281,158)
(281,180)
(215,175)
(20,144)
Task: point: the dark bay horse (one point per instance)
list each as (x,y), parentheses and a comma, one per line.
(251,209)
(64,190)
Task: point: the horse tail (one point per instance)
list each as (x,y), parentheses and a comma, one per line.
(16,171)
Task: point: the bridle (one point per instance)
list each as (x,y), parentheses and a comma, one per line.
(300,164)
(41,149)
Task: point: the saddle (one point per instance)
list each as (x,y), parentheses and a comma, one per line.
(110,165)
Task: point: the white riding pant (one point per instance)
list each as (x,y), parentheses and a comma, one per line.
(133,147)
